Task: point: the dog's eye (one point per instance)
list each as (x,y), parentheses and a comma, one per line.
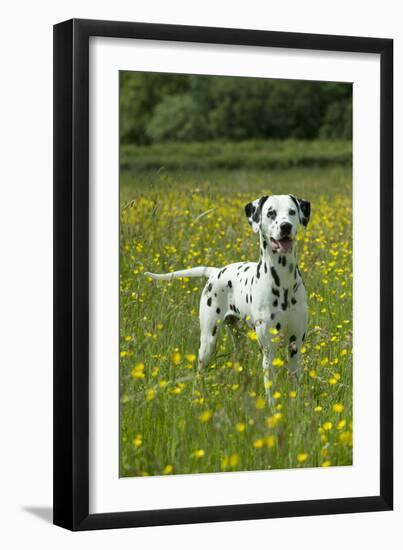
(292,212)
(272,214)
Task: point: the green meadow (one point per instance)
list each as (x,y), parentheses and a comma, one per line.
(182,205)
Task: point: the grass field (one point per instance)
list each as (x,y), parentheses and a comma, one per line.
(173,422)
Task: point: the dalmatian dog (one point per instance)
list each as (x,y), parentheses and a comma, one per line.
(269,295)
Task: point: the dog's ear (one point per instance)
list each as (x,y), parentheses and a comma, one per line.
(305,207)
(253,211)
(304,210)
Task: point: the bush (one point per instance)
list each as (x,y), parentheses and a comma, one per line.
(177,118)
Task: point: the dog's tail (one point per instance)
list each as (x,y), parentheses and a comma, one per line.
(201,271)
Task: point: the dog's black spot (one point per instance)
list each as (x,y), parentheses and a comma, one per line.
(210,286)
(221,272)
(239,267)
(299,273)
(250,298)
(259,265)
(246,298)
(230,284)
(218,311)
(246,281)
(252,280)
(284,305)
(209,301)
(265,267)
(215,294)
(293,301)
(280,259)
(275,303)
(246,268)
(291,267)
(303,337)
(275,275)
(271,214)
(264,244)
(295,272)
(214,330)
(284,261)
(272,316)
(292,347)
(278,326)
(275,292)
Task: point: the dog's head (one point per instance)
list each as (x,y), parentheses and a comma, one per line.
(278,218)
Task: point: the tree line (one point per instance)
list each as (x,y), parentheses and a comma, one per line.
(158,108)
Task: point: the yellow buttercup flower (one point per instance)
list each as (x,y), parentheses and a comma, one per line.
(252,335)
(277,362)
(199,453)
(150,394)
(338,408)
(233,460)
(301,457)
(168,469)
(260,403)
(137,440)
(341,424)
(205,416)
(270,441)
(138,371)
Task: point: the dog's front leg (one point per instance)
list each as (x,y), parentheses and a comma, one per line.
(297,328)
(268,351)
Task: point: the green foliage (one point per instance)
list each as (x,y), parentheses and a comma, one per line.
(177,118)
(175,421)
(230,155)
(157,107)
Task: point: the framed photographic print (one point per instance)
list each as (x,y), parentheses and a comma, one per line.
(223,267)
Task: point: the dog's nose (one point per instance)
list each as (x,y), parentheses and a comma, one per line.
(285,228)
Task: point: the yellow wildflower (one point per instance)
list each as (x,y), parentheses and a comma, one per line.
(301,457)
(205,415)
(138,371)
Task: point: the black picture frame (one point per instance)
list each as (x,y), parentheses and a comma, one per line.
(71,274)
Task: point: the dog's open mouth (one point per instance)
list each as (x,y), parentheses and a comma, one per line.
(282,245)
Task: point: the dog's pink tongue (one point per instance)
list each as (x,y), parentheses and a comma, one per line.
(285,245)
